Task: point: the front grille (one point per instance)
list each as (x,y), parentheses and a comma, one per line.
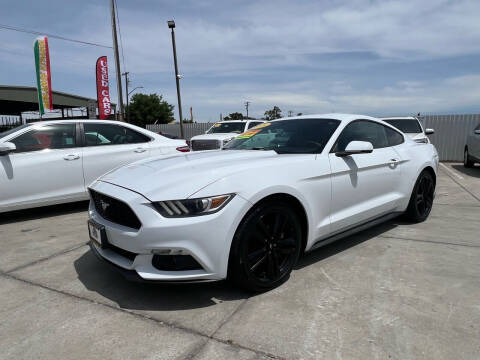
(122,252)
(114,210)
(198,145)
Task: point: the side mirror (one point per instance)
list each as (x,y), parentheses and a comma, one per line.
(429,131)
(6,148)
(477,132)
(356,147)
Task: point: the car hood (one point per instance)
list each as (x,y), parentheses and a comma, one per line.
(180,176)
(216,136)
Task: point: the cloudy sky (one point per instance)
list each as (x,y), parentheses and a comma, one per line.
(310,56)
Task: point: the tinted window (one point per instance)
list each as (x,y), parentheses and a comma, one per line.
(106,134)
(394,137)
(299,136)
(362,131)
(254,123)
(411,126)
(58,136)
(226,127)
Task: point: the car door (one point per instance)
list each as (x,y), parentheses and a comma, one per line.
(108,146)
(363,185)
(45,167)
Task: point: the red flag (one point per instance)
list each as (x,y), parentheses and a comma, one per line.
(103,92)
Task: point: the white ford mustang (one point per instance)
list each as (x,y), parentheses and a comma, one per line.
(53,162)
(247,212)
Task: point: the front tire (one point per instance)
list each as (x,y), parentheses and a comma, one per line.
(467,161)
(421,200)
(266,247)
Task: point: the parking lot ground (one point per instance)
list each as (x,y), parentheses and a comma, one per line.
(397,291)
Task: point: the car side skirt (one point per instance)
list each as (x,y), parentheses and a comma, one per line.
(355,229)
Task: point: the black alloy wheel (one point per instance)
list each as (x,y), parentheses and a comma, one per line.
(421,201)
(266,247)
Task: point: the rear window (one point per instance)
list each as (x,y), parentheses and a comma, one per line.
(409,126)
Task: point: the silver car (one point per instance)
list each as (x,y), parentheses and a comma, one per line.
(472,149)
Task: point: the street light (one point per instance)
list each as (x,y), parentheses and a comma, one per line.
(171,25)
(128,105)
(138,87)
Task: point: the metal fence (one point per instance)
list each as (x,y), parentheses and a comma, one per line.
(450,132)
(8,122)
(190,130)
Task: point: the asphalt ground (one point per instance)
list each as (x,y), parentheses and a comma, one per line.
(397,291)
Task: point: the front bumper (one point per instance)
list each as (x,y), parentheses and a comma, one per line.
(206,238)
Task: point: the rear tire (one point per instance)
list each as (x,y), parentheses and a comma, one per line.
(421,200)
(467,161)
(266,246)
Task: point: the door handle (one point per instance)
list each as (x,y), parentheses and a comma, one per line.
(140,150)
(71,157)
(394,162)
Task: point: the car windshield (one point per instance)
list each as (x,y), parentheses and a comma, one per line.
(11,131)
(299,136)
(411,126)
(227,127)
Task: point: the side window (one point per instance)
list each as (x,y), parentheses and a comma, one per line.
(107,134)
(254,123)
(57,136)
(362,131)
(394,137)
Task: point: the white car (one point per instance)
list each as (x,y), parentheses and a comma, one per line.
(247,212)
(221,133)
(472,148)
(412,127)
(52,162)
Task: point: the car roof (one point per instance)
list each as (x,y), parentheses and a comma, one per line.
(333,116)
(47,122)
(399,118)
(234,121)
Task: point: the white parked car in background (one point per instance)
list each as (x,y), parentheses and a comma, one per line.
(221,133)
(247,212)
(472,148)
(52,162)
(412,127)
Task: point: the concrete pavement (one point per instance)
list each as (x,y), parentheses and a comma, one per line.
(397,291)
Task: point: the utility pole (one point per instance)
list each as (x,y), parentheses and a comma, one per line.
(126,92)
(247,103)
(117,61)
(290,113)
(171,25)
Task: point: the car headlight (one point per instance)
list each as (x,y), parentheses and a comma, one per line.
(226,141)
(192,207)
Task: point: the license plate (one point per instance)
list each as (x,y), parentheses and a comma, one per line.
(95,233)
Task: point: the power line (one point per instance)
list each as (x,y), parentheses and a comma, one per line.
(12,28)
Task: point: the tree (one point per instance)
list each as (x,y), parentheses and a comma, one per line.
(234,116)
(299,114)
(147,109)
(273,114)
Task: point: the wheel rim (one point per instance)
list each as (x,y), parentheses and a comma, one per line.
(424,196)
(271,246)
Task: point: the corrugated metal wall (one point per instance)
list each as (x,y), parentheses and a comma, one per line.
(450,132)
(190,130)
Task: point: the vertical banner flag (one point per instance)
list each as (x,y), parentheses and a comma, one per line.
(103,92)
(44,80)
